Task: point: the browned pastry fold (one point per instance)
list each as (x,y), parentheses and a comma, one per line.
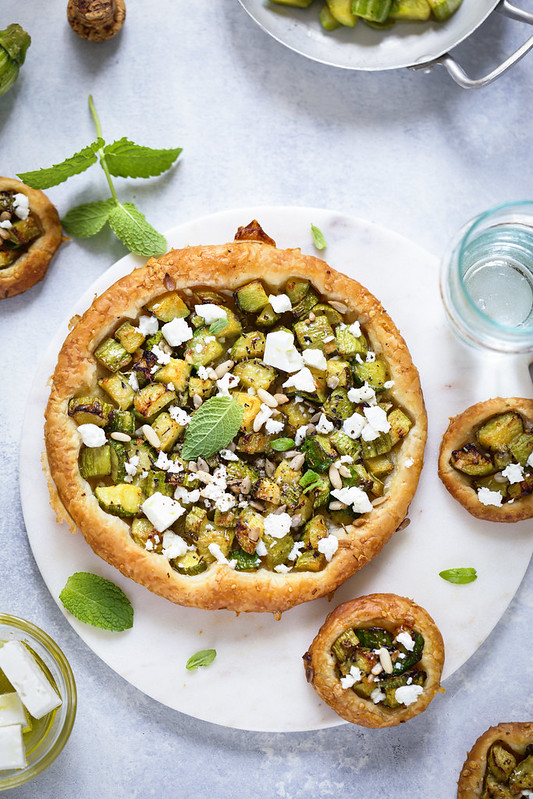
(515,735)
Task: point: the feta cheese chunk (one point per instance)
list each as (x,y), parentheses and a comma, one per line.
(302,381)
(407,694)
(316,359)
(364,394)
(280,303)
(210,312)
(328,546)
(148,325)
(28,679)
(281,353)
(91,435)
(277,525)
(12,751)
(21,205)
(353,425)
(355,497)
(177,332)
(324,425)
(12,710)
(353,676)
(514,473)
(488,497)
(162,511)
(173,545)
(406,641)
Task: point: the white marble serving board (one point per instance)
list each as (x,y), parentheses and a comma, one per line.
(257,680)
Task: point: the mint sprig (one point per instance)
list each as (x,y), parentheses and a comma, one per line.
(212,427)
(122,158)
(202,658)
(459,576)
(94,600)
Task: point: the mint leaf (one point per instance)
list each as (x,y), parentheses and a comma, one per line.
(459,576)
(97,601)
(282,444)
(212,427)
(202,658)
(87,219)
(310,480)
(218,326)
(128,160)
(58,173)
(318,238)
(138,235)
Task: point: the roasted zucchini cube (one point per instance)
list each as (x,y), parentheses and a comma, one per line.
(296,289)
(111,354)
(309,561)
(190,563)
(267,317)
(341,371)
(267,491)
(95,461)
(346,445)
(118,389)
(345,644)
(202,388)
(121,422)
(89,410)
(245,562)
(249,529)
(156,482)
(471,461)
(252,297)
(203,348)
(250,345)
(168,307)
(253,443)
(302,308)
(167,430)
(400,424)
(378,446)
(410,10)
(315,335)
(237,471)
(142,531)
(337,406)
(255,374)
(375,373)
(499,431)
(130,337)
(379,466)
(151,400)
(319,452)
(123,499)
(233,328)
(278,550)
(314,531)
(194,520)
(522,447)
(211,534)
(251,405)
(176,372)
(349,345)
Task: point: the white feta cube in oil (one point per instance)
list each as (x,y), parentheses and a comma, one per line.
(12,750)
(12,710)
(28,679)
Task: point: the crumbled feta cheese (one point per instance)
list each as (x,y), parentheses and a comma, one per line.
(228,455)
(280,303)
(353,676)
(6,224)
(281,568)
(21,205)
(301,434)
(264,413)
(302,380)
(210,312)
(370,357)
(177,332)
(187,497)
(12,750)
(163,461)
(324,425)
(148,325)
(131,467)
(202,373)
(225,502)
(377,417)
(216,489)
(406,641)
(179,415)
(316,359)
(377,695)
(219,556)
(328,546)
(407,694)
(388,384)
(28,679)
(226,382)
(353,425)
(295,551)
(162,511)
(260,548)
(529,461)
(514,473)
(354,496)
(162,357)
(133,381)
(281,353)
(343,459)
(488,497)
(273,426)
(358,358)
(173,545)
(355,329)
(364,394)
(91,435)
(277,525)
(149,545)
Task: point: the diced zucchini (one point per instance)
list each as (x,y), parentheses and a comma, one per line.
(245,562)
(237,471)
(379,466)
(278,550)
(443,9)
(296,289)
(168,307)
(194,520)
(341,10)
(375,373)
(378,446)
(227,518)
(123,499)
(95,461)
(252,297)
(306,304)
(327,20)
(267,490)
(119,455)
(89,410)
(320,493)
(522,447)
(254,443)
(297,413)
(203,348)
(142,449)
(400,424)
(249,529)
(319,452)
(349,345)
(167,430)
(267,317)
(289,482)
(201,388)
(142,531)
(130,337)
(337,406)
(154,340)
(111,354)
(410,10)
(118,389)
(156,482)
(251,405)
(498,432)
(121,422)
(176,372)
(250,345)
(492,484)
(255,374)
(500,762)
(373,10)
(233,328)
(521,489)
(190,563)
(316,335)
(471,461)
(151,399)
(359,477)
(309,561)
(345,445)
(341,370)
(314,531)
(211,534)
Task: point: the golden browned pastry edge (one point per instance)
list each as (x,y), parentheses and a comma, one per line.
(517,734)
(226,267)
(31,267)
(388,611)
(459,432)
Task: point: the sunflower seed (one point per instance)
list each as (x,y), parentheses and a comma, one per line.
(334,476)
(267,398)
(118,436)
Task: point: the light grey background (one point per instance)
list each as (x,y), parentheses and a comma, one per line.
(258,125)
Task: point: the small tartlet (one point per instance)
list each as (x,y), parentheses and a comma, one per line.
(371,616)
(515,736)
(225,268)
(32,264)
(458,441)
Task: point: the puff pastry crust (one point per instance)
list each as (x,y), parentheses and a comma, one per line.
(32,265)
(389,612)
(226,267)
(460,431)
(514,734)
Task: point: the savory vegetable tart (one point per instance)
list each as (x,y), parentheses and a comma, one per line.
(377,660)
(30,233)
(235,426)
(500,764)
(486,459)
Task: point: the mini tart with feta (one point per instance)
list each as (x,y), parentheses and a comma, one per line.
(30,233)
(500,764)
(377,660)
(486,459)
(316,479)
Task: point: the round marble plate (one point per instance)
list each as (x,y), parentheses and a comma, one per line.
(257,679)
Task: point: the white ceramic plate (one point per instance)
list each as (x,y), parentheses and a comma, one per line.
(361,47)
(257,680)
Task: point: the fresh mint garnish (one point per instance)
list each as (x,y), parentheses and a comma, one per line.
(122,158)
(97,601)
(202,658)
(318,238)
(218,326)
(459,576)
(212,427)
(310,480)
(282,444)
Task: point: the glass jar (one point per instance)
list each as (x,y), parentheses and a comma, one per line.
(49,734)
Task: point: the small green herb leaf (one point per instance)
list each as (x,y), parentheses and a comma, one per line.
(318,238)
(218,326)
(128,160)
(87,219)
(138,235)
(58,173)
(97,601)
(212,427)
(202,658)
(459,576)
(282,444)
(309,480)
